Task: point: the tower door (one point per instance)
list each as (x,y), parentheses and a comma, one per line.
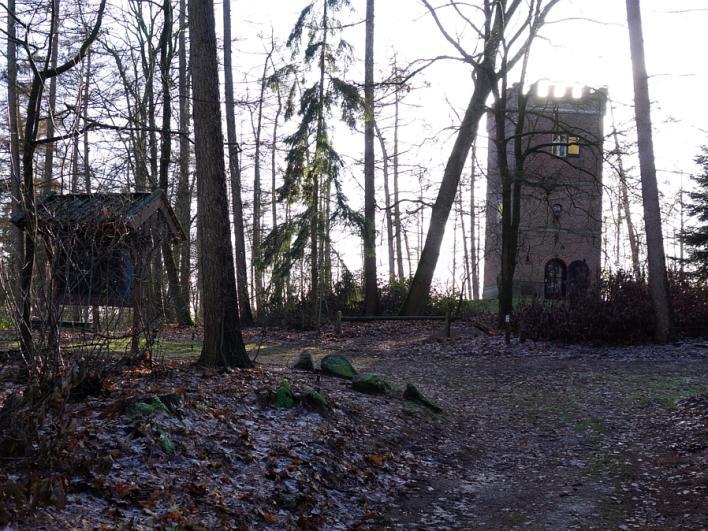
(554,279)
(578,277)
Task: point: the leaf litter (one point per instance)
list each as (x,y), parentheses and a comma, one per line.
(532,435)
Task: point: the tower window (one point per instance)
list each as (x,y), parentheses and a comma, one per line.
(560,145)
(565,146)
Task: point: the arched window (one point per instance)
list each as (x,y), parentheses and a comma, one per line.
(554,279)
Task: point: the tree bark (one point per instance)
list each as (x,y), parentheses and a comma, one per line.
(235,173)
(223,344)
(658,281)
(370,280)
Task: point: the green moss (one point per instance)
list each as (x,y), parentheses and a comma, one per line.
(151,407)
(282,397)
(166,443)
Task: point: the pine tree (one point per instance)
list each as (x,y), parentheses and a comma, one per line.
(313,165)
(696,237)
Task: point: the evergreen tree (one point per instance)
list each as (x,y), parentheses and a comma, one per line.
(696,237)
(312,176)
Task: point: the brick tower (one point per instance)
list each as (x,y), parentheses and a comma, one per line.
(560,229)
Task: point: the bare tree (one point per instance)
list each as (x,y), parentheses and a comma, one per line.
(40,75)
(498,23)
(658,281)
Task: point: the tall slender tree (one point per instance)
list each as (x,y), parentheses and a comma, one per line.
(658,280)
(235,174)
(166,55)
(313,165)
(223,344)
(183,196)
(370,280)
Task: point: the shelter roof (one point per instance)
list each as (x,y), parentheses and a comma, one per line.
(82,210)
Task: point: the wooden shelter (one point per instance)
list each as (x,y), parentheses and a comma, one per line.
(99,244)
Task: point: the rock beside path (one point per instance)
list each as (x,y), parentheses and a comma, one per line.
(337,365)
(370,383)
(414,394)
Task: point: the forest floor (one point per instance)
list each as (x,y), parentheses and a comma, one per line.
(531,436)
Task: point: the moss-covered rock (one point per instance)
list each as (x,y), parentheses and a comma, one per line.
(370,383)
(282,397)
(413,394)
(338,366)
(150,407)
(313,399)
(304,362)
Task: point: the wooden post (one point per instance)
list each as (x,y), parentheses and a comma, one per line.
(448,323)
(339,322)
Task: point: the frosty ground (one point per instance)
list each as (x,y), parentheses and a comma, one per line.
(532,436)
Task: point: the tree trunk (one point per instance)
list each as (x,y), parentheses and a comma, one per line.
(625,206)
(389,217)
(474,256)
(17,249)
(235,173)
(51,104)
(223,344)
(257,221)
(370,280)
(277,282)
(658,281)
(396,198)
(315,217)
(173,285)
(420,287)
(183,198)
(465,251)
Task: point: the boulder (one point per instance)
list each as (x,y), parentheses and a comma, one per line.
(313,399)
(413,394)
(304,362)
(370,383)
(337,365)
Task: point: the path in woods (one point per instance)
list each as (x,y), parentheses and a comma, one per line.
(541,436)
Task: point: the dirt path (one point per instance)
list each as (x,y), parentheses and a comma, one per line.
(538,436)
